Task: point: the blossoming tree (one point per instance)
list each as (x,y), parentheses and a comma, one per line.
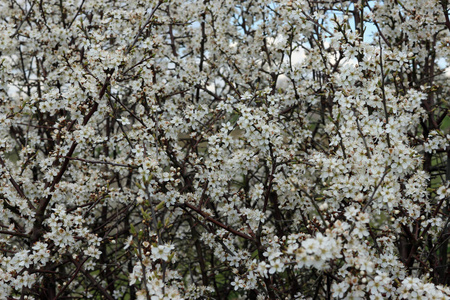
(224,149)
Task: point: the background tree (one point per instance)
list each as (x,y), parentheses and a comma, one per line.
(224,149)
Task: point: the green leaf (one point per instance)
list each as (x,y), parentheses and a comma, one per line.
(132,229)
(445,124)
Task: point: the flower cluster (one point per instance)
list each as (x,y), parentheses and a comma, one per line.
(223,149)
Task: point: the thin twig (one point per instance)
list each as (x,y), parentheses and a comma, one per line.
(362,136)
(23,21)
(77,13)
(98,162)
(150,17)
(383,91)
(207,217)
(372,197)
